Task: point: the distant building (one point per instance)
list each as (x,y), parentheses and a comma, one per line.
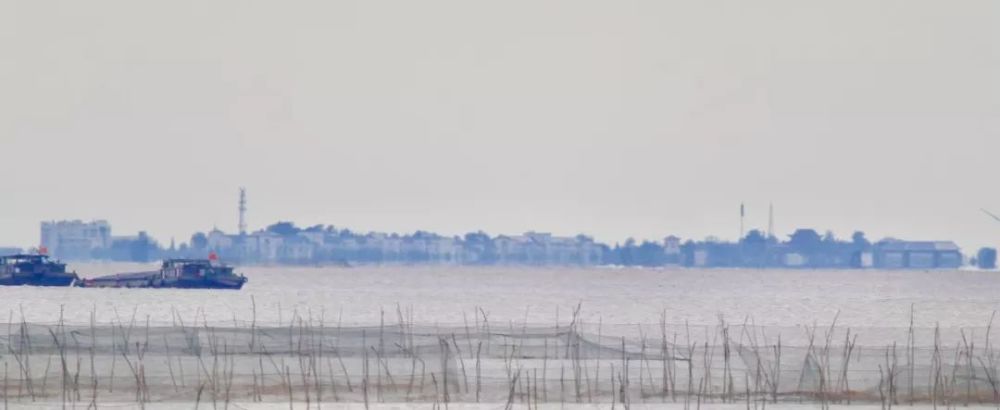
(896,254)
(986,258)
(711,255)
(218,240)
(134,248)
(795,260)
(284,243)
(810,251)
(268,245)
(534,248)
(866,259)
(75,239)
(672,250)
(296,249)
(700,257)
(10,251)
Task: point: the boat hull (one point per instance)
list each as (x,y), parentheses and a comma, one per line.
(37,281)
(154,280)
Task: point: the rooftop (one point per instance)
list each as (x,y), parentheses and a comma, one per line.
(917,246)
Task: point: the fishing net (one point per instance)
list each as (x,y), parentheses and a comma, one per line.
(484,362)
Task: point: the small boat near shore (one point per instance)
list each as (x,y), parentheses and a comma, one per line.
(174,273)
(34,270)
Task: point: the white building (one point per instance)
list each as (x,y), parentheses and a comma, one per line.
(75,239)
(534,248)
(444,250)
(218,240)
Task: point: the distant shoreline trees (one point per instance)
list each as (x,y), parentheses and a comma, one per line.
(283,242)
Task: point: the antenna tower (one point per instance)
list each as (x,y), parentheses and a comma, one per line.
(770,220)
(743,214)
(243,211)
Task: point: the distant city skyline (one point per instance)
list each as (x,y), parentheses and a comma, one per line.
(286,243)
(749,223)
(643,118)
(100,233)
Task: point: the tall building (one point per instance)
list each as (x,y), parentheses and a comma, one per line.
(75,239)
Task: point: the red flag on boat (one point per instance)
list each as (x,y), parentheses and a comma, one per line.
(43,250)
(212,256)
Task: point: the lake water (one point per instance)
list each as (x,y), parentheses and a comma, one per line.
(862,299)
(626,302)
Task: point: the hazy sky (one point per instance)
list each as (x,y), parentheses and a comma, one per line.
(611,118)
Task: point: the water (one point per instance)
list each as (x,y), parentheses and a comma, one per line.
(495,406)
(862,299)
(877,304)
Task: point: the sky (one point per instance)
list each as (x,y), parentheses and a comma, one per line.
(616,119)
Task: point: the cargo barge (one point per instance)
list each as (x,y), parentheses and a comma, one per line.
(34,270)
(174,273)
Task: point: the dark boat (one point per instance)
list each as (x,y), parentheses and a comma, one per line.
(175,273)
(34,270)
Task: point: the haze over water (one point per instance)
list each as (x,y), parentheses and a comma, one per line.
(613,119)
(863,298)
(635,118)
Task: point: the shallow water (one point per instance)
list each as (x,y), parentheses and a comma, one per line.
(876,304)
(860,299)
(496,406)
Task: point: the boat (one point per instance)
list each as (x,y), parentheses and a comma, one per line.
(174,273)
(34,270)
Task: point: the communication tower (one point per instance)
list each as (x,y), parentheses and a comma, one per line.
(243,211)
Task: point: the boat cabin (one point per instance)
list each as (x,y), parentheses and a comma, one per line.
(30,264)
(193,268)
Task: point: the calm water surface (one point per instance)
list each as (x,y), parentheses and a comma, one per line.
(623,296)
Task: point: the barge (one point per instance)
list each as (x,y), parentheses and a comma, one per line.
(174,273)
